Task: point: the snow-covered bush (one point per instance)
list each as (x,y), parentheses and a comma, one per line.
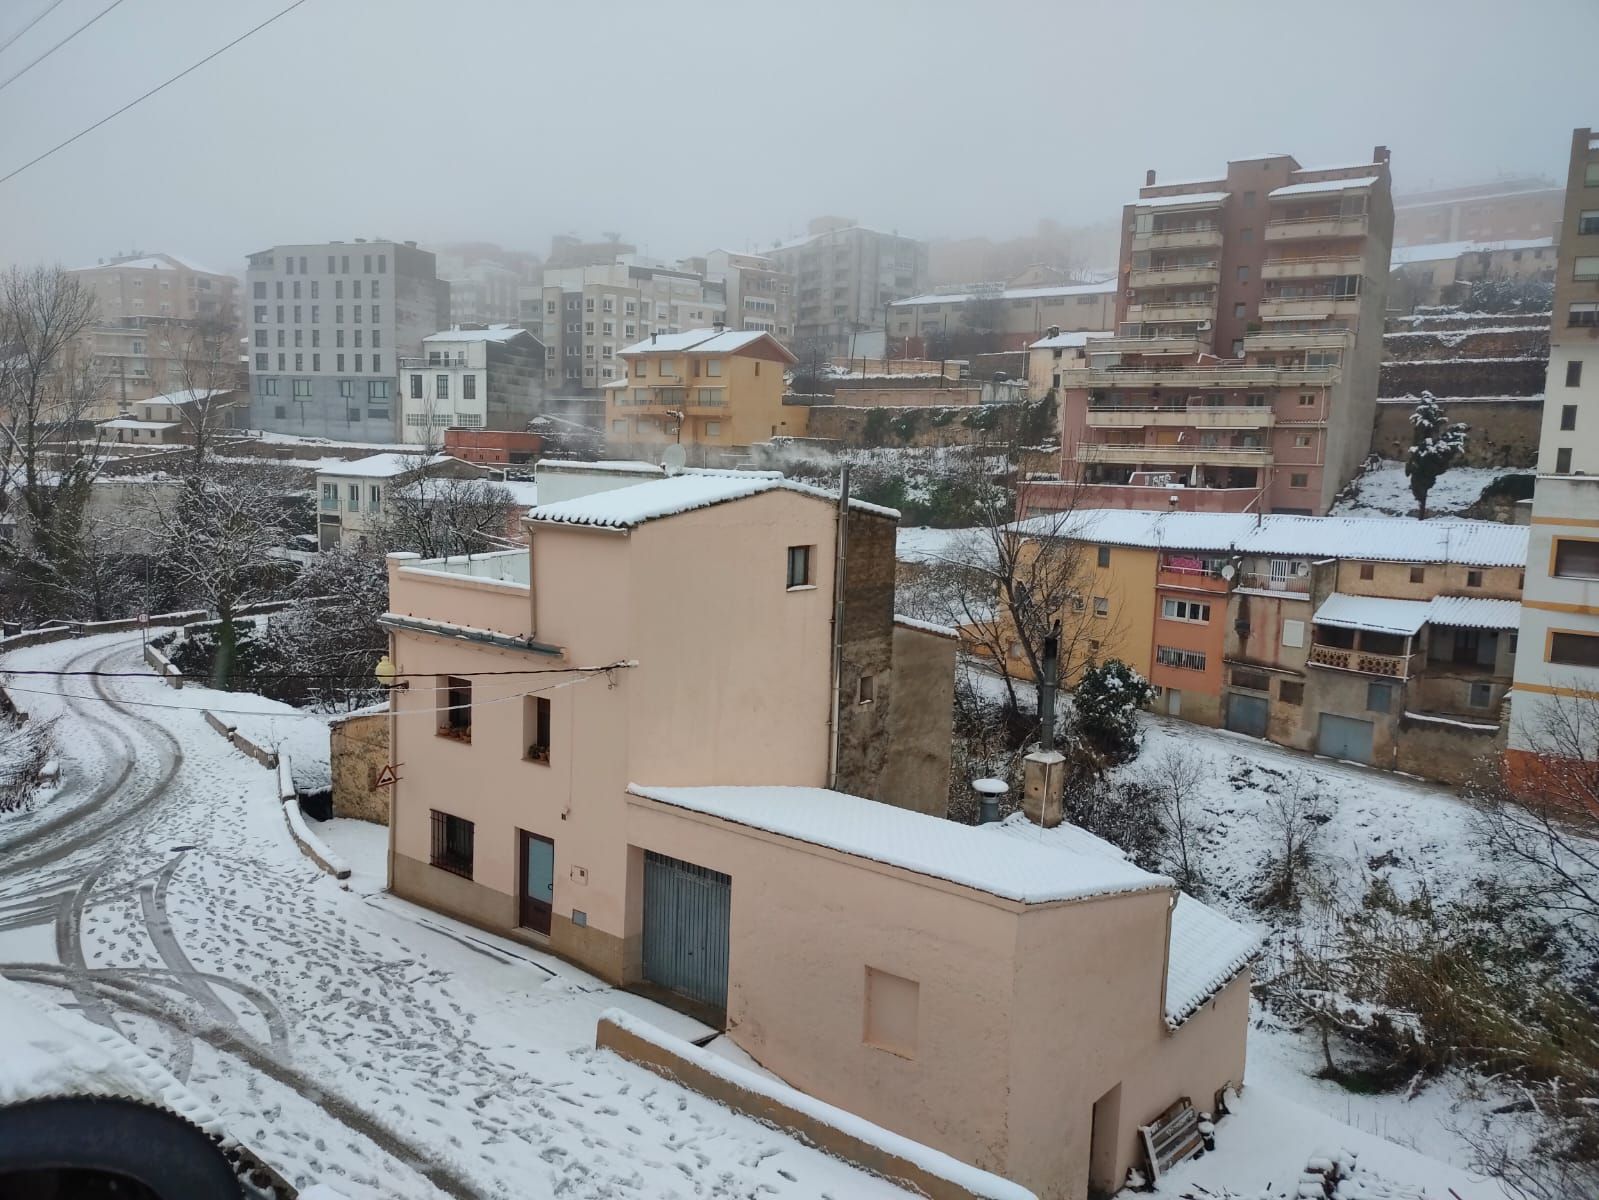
(25,747)
(1105,705)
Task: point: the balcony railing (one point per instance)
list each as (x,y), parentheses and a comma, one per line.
(1182,310)
(1192,237)
(1174,275)
(1299,229)
(1315,267)
(1310,307)
(1206,416)
(1142,454)
(1364,662)
(1194,377)
(1291,584)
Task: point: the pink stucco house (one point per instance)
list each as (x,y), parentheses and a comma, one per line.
(661,742)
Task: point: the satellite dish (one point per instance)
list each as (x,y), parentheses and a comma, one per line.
(673,458)
(1228,571)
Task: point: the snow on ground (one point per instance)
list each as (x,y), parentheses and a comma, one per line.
(924,544)
(1384,491)
(348,1039)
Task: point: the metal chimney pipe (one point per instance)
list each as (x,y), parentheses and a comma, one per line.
(1046,689)
(988,793)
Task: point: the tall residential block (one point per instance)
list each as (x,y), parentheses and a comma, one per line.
(328,323)
(1557,670)
(847,276)
(149,308)
(1242,376)
(759,293)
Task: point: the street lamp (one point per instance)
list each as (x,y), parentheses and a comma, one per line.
(386,673)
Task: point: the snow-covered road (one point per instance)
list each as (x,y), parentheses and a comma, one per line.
(157,892)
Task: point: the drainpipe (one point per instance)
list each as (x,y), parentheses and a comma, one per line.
(839,554)
(394,787)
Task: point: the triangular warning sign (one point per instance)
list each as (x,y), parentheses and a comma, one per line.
(385,776)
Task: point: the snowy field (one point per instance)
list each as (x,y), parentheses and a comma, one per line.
(1384,491)
(345,1036)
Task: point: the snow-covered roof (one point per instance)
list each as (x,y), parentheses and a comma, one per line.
(926,626)
(1324,185)
(523,493)
(1182,200)
(704,341)
(1207,952)
(152,262)
(613,467)
(1401,256)
(494,333)
(385,466)
(1022,293)
(134,423)
(628,507)
(1068,341)
(1376,614)
(1377,539)
(187,396)
(1474,612)
(927,845)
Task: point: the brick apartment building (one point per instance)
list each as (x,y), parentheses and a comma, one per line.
(1242,376)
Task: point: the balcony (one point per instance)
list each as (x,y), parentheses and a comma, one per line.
(1310,308)
(1306,229)
(1214,416)
(1312,268)
(1304,339)
(1185,378)
(1173,276)
(1183,238)
(1142,455)
(1177,344)
(1158,312)
(1362,662)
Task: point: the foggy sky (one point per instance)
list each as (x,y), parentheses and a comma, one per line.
(686,126)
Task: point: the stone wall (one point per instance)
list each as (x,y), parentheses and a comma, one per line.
(868,651)
(847,426)
(1450,752)
(916,773)
(359,749)
(1464,377)
(1504,429)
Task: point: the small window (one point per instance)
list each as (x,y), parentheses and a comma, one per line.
(1481,695)
(1299,479)
(416,387)
(1101,606)
(1368,571)
(452,844)
(1306,399)
(1243,274)
(1586,267)
(536,728)
(1104,556)
(1576,559)
(1291,691)
(1240,309)
(1474,579)
(1255,681)
(891,1012)
(866,689)
(1379,697)
(1563,461)
(1574,649)
(1294,634)
(455,707)
(1574,373)
(799,566)
(1568,417)
(1418,574)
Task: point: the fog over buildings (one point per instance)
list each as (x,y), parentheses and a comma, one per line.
(684,127)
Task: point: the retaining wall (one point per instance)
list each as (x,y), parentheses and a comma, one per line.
(1504,429)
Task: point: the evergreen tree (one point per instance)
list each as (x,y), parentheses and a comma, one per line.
(1434,447)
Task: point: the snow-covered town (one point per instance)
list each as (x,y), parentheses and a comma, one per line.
(1078,680)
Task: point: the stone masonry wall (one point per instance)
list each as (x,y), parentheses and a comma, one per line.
(359,750)
(1504,430)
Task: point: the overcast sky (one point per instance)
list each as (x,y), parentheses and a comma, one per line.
(690,125)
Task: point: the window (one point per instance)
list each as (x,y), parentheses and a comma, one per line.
(316,362)
(354,503)
(1480,695)
(416,387)
(1255,681)
(347,389)
(1586,267)
(1306,399)
(799,566)
(866,689)
(455,707)
(1291,691)
(339,359)
(536,728)
(269,387)
(1184,660)
(1182,610)
(891,1012)
(1246,235)
(299,338)
(316,338)
(713,366)
(469,387)
(1243,274)
(377,316)
(713,429)
(1576,558)
(1563,461)
(1368,571)
(1379,697)
(260,313)
(383,269)
(1240,309)
(1104,556)
(280,412)
(1574,373)
(1298,479)
(377,389)
(1474,579)
(1588,221)
(1294,634)
(261,362)
(1301,441)
(1568,417)
(1574,649)
(283,361)
(296,289)
(441,387)
(1583,313)
(1101,606)
(1418,574)
(355,315)
(452,844)
(1249,199)
(299,362)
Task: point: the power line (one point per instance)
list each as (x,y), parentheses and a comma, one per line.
(158,87)
(58,45)
(48,9)
(272,675)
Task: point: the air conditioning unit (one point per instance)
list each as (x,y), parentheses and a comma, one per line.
(1204,327)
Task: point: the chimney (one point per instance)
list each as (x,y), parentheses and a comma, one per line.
(1053,331)
(719,325)
(652,337)
(1379,154)
(1149,179)
(1044,770)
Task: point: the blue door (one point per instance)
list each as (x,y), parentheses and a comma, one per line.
(686,912)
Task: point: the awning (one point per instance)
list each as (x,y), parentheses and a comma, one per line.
(1375,614)
(1474,612)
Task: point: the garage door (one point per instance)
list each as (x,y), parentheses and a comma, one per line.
(686,909)
(1344,737)
(1247,714)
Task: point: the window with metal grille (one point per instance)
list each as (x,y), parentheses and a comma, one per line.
(452,844)
(1187,660)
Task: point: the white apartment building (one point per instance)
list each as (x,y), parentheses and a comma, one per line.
(471,378)
(759,293)
(1558,659)
(327,324)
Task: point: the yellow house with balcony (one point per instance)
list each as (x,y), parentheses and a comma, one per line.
(710,389)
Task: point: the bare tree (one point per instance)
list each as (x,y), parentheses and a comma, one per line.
(437,515)
(1294,815)
(1177,781)
(205,380)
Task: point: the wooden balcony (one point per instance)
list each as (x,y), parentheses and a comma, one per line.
(1362,662)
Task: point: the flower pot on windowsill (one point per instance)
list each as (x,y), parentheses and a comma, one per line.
(539,754)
